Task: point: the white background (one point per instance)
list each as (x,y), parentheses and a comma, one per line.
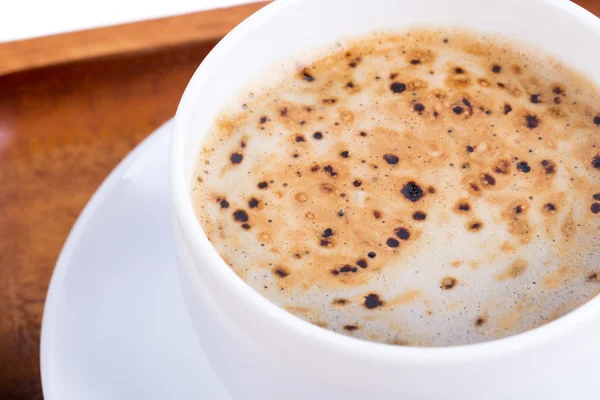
(22,19)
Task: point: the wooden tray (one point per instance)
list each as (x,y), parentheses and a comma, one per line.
(71,107)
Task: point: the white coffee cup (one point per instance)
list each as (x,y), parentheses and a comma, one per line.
(259,350)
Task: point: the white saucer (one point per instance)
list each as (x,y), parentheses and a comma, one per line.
(115,325)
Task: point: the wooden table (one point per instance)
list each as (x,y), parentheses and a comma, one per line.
(63,128)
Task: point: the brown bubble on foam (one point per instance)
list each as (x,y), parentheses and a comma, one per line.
(462,206)
(420,56)
(402,233)
(419,216)
(346,117)
(412,191)
(340,302)
(330,171)
(351,328)
(535,98)
(416,85)
(515,270)
(344,269)
(513,90)
(373,301)
(532,121)
(236,158)
(281,272)
(596,161)
(474,226)
(221,201)
(483,82)
(301,197)
(516,218)
(391,159)
(481,321)
(487,180)
(306,75)
(392,242)
(419,108)
(458,109)
(253,203)
(515,209)
(328,187)
(240,216)
(458,81)
(549,209)
(548,166)
(448,283)
(354,61)
(439,93)
(326,243)
(502,167)
(398,87)
(474,188)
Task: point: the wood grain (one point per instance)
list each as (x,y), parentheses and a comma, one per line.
(138,36)
(62,130)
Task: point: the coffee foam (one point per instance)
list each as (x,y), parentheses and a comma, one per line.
(426,188)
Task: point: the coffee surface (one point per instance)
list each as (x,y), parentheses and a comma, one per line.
(424,188)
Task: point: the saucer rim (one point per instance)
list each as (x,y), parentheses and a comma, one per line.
(61,268)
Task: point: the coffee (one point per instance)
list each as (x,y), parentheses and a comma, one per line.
(426,188)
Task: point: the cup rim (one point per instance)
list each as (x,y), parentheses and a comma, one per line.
(364,350)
